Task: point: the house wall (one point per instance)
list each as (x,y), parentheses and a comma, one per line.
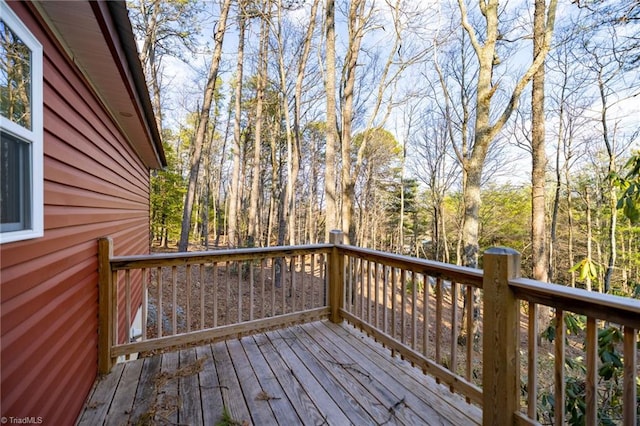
(95,186)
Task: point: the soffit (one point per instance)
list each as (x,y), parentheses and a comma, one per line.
(92,38)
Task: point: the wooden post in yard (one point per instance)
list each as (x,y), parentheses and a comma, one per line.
(500,381)
(105,305)
(336,276)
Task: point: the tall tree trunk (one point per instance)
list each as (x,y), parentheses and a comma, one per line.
(538,165)
(612,196)
(553,236)
(538,154)
(485,131)
(203,123)
(257,144)
(236,150)
(356,33)
(331,219)
(297,132)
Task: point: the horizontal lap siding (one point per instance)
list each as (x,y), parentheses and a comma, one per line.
(95,186)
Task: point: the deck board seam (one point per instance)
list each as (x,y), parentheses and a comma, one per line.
(424,381)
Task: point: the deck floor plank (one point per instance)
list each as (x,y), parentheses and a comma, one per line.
(101,397)
(168,398)
(364,388)
(343,395)
(145,401)
(314,374)
(438,396)
(296,372)
(232,395)
(401,404)
(270,389)
(189,388)
(122,404)
(260,409)
(210,392)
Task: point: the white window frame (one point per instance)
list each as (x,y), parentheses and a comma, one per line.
(33,136)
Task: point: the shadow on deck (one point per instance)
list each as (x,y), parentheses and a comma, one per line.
(316,373)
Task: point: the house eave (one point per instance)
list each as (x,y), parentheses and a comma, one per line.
(99,39)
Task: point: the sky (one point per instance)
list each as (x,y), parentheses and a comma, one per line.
(185,81)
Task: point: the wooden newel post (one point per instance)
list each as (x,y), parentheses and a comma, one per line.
(336,276)
(105,305)
(500,381)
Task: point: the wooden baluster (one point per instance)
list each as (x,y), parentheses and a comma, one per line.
(314,290)
(425,315)
(303,270)
(346,299)
(293,288)
(591,379)
(469,331)
(532,361)
(324,275)
(127,304)
(273,288)
(159,302)
(239,272)
(263,302)
(559,385)
(283,284)
(116,310)
(251,289)
(369,292)
(403,303)
(454,328)
(214,290)
(394,283)
(174,307)
(414,318)
(227,305)
(376,288)
(188,297)
(630,371)
(361,282)
(202,293)
(145,301)
(354,285)
(385,299)
(438,320)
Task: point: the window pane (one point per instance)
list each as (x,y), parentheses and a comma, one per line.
(15,184)
(15,77)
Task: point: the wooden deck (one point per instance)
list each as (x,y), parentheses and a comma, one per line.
(317,373)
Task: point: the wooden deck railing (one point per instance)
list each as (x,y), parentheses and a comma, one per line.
(463,326)
(195,297)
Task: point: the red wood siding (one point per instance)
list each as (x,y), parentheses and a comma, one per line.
(95,185)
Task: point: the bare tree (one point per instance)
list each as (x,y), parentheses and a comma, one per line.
(261,81)
(203,122)
(236,149)
(485,131)
(331,219)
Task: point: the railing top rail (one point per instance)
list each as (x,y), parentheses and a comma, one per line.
(183,258)
(447,271)
(620,310)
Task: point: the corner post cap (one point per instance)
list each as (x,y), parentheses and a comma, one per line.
(336,236)
(501,251)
